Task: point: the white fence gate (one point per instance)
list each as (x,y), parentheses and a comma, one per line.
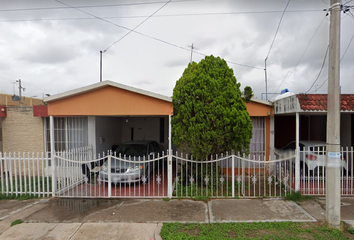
(78,173)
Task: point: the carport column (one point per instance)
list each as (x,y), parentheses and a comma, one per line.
(169,160)
(297,155)
(52,155)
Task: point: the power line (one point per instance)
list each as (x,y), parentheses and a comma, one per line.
(91,6)
(155,16)
(324,60)
(351,39)
(276,32)
(303,53)
(138,25)
(154,38)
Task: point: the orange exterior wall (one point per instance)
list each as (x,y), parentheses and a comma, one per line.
(256,109)
(127,103)
(109,101)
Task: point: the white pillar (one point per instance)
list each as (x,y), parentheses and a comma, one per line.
(169,160)
(297,154)
(272,132)
(52,155)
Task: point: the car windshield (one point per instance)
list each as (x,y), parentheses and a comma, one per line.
(134,150)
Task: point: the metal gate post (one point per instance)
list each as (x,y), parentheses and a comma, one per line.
(109,176)
(169,174)
(233,174)
(243,175)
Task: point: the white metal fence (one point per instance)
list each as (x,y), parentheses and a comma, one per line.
(25,173)
(77,173)
(313,164)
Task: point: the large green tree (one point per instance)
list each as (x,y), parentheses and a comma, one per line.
(209,115)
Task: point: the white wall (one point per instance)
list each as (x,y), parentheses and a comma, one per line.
(103,132)
(108,132)
(145,128)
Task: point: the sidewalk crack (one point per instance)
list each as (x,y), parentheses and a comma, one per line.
(72,235)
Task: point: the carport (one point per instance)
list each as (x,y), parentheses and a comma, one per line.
(304,117)
(105,115)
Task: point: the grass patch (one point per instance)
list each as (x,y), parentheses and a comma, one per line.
(202,198)
(256,230)
(26,185)
(16,222)
(18,197)
(297,197)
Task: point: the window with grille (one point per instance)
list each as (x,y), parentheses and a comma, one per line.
(258,136)
(69,133)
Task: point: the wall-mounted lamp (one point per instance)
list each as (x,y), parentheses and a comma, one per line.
(126,120)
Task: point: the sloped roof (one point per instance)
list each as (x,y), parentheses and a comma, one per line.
(102,85)
(318,102)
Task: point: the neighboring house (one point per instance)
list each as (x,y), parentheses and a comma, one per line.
(309,113)
(261,113)
(20,131)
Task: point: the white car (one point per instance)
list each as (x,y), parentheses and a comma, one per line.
(312,154)
(129,171)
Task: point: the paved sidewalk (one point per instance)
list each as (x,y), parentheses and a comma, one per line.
(143,218)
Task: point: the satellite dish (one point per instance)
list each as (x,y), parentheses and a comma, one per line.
(15,98)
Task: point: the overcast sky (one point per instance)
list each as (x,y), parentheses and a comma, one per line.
(54,46)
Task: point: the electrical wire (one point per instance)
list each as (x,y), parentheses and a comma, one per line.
(350,42)
(276,32)
(155,16)
(142,34)
(137,26)
(324,60)
(303,53)
(92,6)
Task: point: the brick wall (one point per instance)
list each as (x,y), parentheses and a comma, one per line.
(21,132)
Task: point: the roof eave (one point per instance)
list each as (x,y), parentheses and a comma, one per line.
(102,85)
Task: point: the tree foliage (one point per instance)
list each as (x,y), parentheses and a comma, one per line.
(209,116)
(247,94)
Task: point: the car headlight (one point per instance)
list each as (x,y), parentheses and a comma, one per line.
(104,168)
(134,169)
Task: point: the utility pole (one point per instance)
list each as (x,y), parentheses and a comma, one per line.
(265,73)
(100,66)
(333,171)
(20,88)
(19,91)
(191,53)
